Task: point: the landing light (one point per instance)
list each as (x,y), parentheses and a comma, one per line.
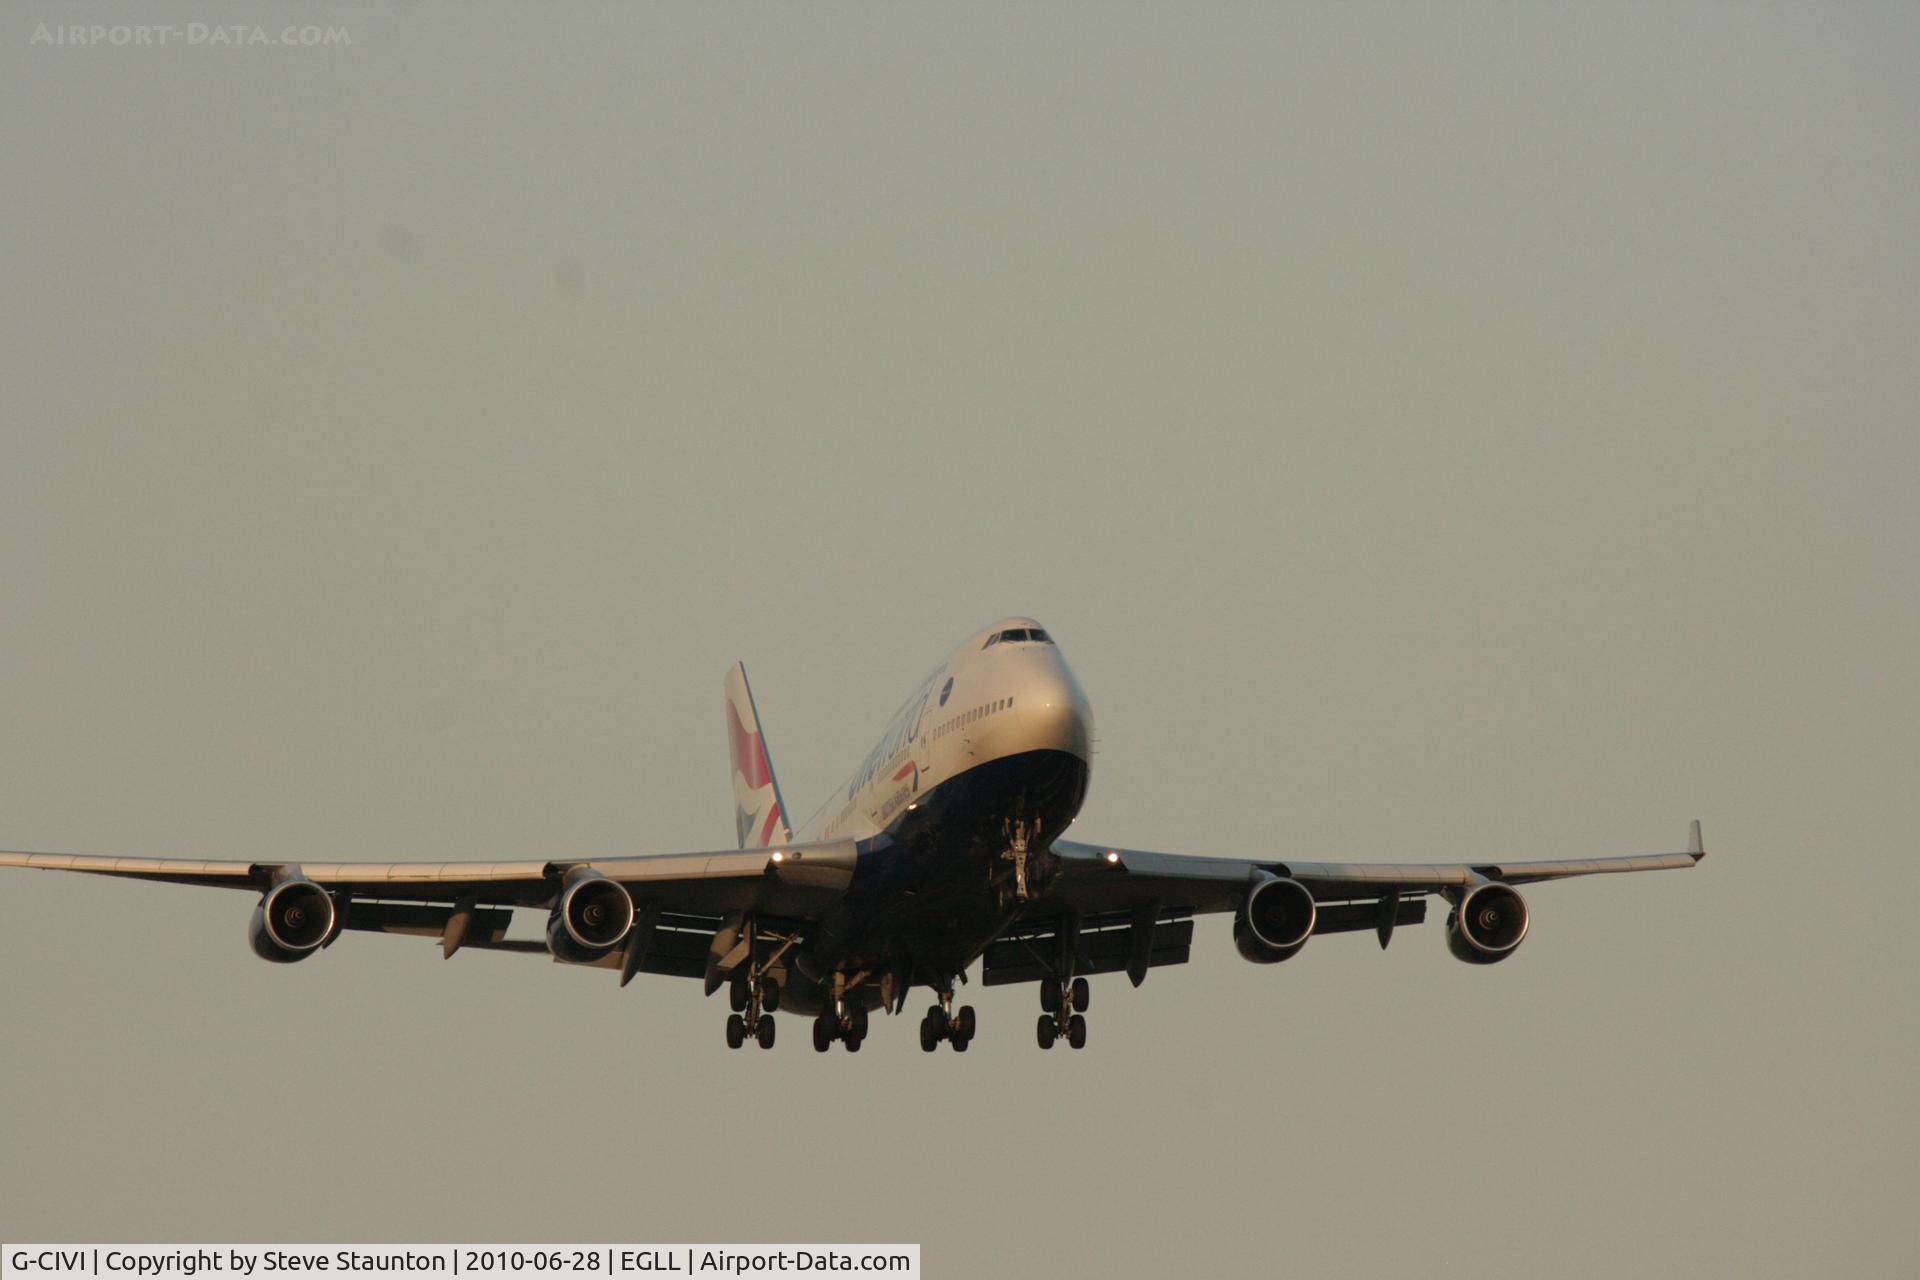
(1113,856)
(779,856)
(912,807)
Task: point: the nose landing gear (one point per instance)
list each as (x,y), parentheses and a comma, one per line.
(1020,837)
(1062,1019)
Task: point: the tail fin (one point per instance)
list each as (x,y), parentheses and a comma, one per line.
(759,814)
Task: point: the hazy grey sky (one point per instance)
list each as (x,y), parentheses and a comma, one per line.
(1430,431)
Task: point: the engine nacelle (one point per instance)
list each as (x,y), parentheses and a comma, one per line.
(1488,924)
(591,918)
(1274,921)
(293,920)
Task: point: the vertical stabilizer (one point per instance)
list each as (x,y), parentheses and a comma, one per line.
(759,815)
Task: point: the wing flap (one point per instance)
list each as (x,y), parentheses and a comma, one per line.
(673,952)
(1104,945)
(1352,917)
(487,928)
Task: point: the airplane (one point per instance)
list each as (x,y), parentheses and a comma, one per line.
(945,847)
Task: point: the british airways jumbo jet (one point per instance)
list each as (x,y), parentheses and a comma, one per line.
(944,848)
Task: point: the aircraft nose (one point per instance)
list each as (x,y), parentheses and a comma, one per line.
(1054,712)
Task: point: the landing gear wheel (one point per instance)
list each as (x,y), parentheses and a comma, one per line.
(1081,991)
(737,991)
(736,1031)
(852,1027)
(963,1028)
(823,1033)
(1077,1032)
(929,1034)
(764,1032)
(1044,1031)
(769,995)
(1050,996)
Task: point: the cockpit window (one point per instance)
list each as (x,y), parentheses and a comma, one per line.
(1018,634)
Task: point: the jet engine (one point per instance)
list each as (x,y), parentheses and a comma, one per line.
(293,919)
(1274,921)
(1488,924)
(591,918)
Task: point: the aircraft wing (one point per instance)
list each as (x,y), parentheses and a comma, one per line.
(1116,909)
(795,881)
(1106,877)
(687,898)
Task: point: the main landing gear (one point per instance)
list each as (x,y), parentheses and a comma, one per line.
(1062,1019)
(942,1023)
(844,1022)
(754,996)
(848,1025)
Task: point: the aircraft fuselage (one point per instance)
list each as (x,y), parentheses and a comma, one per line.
(992,750)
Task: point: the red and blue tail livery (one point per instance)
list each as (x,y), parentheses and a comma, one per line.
(759,817)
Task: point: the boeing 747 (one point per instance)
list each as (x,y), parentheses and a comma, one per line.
(944,849)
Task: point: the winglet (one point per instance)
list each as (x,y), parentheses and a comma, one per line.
(1694,844)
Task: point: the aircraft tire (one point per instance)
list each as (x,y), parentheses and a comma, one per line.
(1077,1032)
(764,1032)
(1044,1031)
(736,1031)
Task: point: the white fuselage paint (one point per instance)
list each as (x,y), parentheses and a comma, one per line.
(1004,699)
